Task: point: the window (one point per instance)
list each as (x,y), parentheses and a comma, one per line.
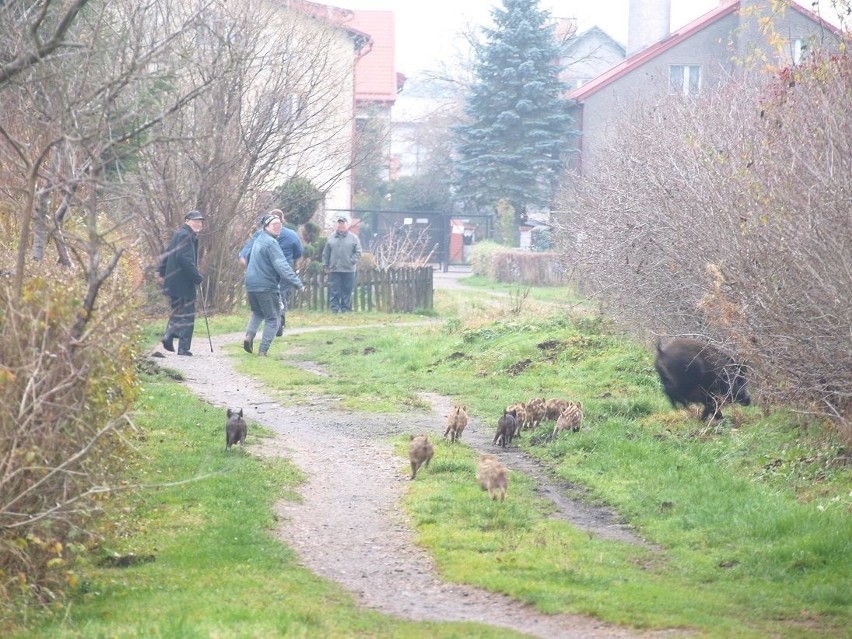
(283,110)
(797,50)
(684,79)
(290,109)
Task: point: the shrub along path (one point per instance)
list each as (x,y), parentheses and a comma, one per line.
(350,526)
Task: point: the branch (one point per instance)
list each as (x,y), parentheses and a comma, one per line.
(24,61)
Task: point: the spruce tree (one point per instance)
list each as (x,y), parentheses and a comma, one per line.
(518,123)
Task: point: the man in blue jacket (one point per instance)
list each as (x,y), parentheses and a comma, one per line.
(292,248)
(266,268)
(179,274)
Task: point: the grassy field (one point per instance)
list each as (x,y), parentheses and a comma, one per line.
(752,518)
(205,563)
(749,522)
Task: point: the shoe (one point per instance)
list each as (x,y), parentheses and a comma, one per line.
(247,345)
(187,353)
(168,343)
(262,353)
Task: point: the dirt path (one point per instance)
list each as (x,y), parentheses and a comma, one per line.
(350,527)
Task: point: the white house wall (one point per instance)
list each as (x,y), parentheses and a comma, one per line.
(325,66)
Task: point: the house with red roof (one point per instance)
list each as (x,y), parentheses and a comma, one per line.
(735,38)
(377,82)
(366,83)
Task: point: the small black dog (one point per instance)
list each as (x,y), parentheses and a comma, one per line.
(235,429)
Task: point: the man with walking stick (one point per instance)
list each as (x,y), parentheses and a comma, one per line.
(179,274)
(204,311)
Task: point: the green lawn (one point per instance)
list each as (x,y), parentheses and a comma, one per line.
(748,523)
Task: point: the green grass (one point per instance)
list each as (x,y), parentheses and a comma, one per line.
(749,521)
(218,569)
(752,519)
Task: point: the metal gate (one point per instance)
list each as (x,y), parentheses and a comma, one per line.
(373,224)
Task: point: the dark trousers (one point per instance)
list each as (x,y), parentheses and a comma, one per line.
(181,321)
(340,287)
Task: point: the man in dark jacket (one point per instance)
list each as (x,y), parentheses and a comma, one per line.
(179,274)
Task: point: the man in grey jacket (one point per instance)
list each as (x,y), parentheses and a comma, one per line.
(266,267)
(339,259)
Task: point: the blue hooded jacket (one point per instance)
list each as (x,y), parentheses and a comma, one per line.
(266,265)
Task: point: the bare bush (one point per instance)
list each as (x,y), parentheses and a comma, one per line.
(72,123)
(404,247)
(728,217)
(65,396)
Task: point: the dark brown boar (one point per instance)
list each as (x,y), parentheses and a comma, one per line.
(692,371)
(505,429)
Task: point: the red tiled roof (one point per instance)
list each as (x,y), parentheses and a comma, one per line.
(375,69)
(332,15)
(673,39)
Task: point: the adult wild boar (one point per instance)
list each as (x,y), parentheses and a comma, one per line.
(692,371)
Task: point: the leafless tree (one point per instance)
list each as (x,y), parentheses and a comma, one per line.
(49,25)
(74,114)
(276,108)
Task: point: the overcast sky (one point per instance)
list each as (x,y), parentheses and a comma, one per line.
(426,29)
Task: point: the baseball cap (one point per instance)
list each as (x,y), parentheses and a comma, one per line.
(193,215)
(341,218)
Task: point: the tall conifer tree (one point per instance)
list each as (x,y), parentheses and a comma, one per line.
(518,126)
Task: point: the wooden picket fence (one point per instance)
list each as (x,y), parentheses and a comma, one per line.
(392,290)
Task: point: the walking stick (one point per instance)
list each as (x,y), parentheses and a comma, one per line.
(204,308)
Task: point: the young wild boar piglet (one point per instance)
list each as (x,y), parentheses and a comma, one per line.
(493,476)
(519,412)
(570,418)
(235,428)
(505,430)
(456,422)
(420,451)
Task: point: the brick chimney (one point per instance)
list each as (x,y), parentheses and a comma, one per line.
(648,22)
